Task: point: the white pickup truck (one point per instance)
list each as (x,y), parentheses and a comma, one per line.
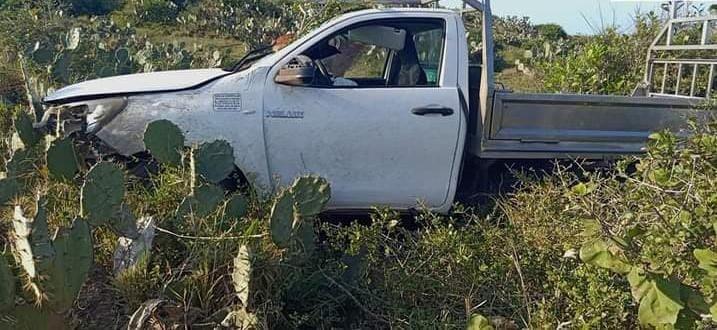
(382,103)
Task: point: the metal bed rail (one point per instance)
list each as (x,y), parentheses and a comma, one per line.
(666,57)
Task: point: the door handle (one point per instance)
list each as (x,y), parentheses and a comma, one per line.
(422,111)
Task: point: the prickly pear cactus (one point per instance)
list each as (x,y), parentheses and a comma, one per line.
(7,285)
(213,161)
(165,141)
(29,317)
(72,40)
(236,207)
(294,210)
(122,55)
(61,67)
(9,189)
(73,259)
(311,193)
(241,275)
(42,53)
(306,237)
(202,202)
(124,223)
(282,219)
(102,193)
(62,159)
(23,126)
(31,241)
(21,166)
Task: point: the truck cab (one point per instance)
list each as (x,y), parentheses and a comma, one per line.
(384,116)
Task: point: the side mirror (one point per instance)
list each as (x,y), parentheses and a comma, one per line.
(299,71)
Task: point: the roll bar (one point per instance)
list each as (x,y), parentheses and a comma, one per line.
(487,88)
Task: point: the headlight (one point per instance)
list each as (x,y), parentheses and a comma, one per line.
(89,116)
(101,112)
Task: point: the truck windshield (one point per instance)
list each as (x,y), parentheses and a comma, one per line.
(249,59)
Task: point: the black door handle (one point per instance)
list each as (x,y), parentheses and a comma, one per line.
(443,111)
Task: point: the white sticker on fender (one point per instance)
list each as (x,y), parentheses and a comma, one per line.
(227,102)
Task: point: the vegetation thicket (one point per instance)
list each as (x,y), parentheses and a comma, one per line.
(86,244)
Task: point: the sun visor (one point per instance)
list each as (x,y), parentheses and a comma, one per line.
(382,36)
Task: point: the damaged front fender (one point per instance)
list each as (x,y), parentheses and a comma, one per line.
(86,117)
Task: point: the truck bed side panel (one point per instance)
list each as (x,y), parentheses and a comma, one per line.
(592,126)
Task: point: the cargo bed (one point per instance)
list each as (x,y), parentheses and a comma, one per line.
(566,126)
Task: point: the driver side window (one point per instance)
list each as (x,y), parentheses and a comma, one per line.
(386,53)
(357,61)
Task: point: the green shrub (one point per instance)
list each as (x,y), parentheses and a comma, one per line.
(546,236)
(157,11)
(552,32)
(647,235)
(608,63)
(659,230)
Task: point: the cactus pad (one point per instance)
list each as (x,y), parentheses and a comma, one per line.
(23,126)
(29,317)
(7,285)
(165,141)
(9,189)
(214,161)
(73,259)
(122,55)
(282,219)
(42,53)
(236,207)
(102,193)
(61,67)
(241,275)
(202,202)
(311,193)
(306,237)
(32,245)
(21,166)
(124,223)
(62,160)
(73,39)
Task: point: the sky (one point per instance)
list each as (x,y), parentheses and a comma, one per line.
(574,15)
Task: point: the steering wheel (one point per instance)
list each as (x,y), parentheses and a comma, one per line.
(323,70)
(322,75)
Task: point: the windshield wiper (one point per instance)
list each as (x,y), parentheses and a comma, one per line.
(250,57)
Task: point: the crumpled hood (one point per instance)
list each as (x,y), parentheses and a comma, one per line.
(135,83)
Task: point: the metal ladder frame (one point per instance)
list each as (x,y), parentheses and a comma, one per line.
(654,62)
